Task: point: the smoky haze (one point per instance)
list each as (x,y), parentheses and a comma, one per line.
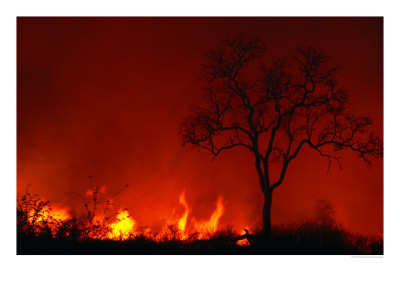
(105,96)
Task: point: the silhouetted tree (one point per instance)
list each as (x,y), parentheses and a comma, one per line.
(295,103)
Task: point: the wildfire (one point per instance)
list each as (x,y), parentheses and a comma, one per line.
(243,242)
(39,216)
(211,226)
(122,226)
(47,214)
(183,220)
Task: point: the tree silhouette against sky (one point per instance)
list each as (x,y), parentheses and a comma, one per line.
(295,103)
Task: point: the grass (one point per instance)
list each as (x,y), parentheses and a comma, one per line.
(305,239)
(39,233)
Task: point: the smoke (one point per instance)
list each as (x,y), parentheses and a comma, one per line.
(104,97)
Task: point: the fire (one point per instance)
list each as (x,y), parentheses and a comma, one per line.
(39,217)
(196,229)
(47,214)
(211,226)
(183,220)
(244,242)
(123,228)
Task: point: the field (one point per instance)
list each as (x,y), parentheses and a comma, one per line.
(308,238)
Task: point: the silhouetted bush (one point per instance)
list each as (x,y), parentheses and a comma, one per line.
(39,233)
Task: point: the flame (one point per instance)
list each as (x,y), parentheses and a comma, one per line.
(244,242)
(209,227)
(217,214)
(47,214)
(199,229)
(183,220)
(38,218)
(123,228)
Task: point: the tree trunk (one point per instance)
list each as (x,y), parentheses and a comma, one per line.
(267,215)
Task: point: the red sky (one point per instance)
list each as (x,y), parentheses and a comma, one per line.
(104,97)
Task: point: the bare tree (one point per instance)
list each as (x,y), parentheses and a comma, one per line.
(294,103)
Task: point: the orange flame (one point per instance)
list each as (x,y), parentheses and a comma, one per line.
(46,214)
(183,220)
(206,228)
(123,228)
(244,242)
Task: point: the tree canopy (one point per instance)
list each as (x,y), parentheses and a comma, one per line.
(294,102)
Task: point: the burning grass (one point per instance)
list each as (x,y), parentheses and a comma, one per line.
(37,218)
(43,229)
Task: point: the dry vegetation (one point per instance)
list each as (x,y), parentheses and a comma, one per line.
(40,230)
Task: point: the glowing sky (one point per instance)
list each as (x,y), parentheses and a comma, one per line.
(104,97)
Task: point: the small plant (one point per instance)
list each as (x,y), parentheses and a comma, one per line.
(35,216)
